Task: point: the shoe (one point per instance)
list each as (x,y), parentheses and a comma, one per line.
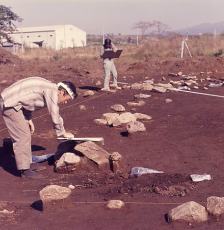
(37,167)
(31,174)
(105,89)
(115,86)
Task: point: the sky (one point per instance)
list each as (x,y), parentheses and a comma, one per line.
(115,16)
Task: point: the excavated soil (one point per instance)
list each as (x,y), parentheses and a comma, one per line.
(184,137)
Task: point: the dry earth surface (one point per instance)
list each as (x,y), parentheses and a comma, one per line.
(184,137)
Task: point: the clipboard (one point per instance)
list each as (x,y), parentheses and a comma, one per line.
(111,54)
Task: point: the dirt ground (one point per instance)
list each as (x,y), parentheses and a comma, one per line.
(184,137)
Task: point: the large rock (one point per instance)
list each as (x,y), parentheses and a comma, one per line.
(167,86)
(136,86)
(115,204)
(94,152)
(159,89)
(135,126)
(189,212)
(118,108)
(54,193)
(215,205)
(110,117)
(142,116)
(100,121)
(126,117)
(147,86)
(68,158)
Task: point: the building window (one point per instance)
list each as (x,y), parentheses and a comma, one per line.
(27,36)
(39,36)
(51,35)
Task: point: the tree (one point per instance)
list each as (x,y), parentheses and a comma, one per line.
(7,20)
(150,27)
(143,26)
(160,27)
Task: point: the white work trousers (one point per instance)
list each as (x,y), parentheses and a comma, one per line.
(109,68)
(19,131)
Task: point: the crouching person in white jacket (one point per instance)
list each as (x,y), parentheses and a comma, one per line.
(18,101)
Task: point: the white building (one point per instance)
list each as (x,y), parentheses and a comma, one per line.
(54,37)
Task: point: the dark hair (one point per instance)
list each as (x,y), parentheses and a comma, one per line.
(107,44)
(71,86)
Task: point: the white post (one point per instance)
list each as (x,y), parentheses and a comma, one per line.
(182,49)
(187,48)
(214,40)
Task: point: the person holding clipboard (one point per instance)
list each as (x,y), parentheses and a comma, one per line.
(108,52)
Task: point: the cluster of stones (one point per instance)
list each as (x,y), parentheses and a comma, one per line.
(193,212)
(69,161)
(187,81)
(131,120)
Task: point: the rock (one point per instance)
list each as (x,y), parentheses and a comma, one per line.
(54,192)
(180,73)
(168,100)
(189,212)
(159,89)
(118,108)
(100,121)
(151,81)
(116,163)
(71,158)
(94,152)
(166,86)
(82,108)
(115,204)
(141,116)
(126,117)
(71,186)
(66,159)
(110,117)
(142,96)
(115,156)
(178,83)
(147,86)
(132,103)
(136,86)
(88,93)
(135,126)
(190,82)
(215,205)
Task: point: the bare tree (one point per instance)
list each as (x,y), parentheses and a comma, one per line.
(7,20)
(143,26)
(160,27)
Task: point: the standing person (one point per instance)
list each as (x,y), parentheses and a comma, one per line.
(109,66)
(18,101)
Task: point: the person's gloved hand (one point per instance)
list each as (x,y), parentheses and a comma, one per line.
(68,135)
(31,125)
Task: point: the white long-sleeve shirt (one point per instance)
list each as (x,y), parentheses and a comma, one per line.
(32,93)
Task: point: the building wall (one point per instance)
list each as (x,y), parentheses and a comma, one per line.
(69,36)
(55,37)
